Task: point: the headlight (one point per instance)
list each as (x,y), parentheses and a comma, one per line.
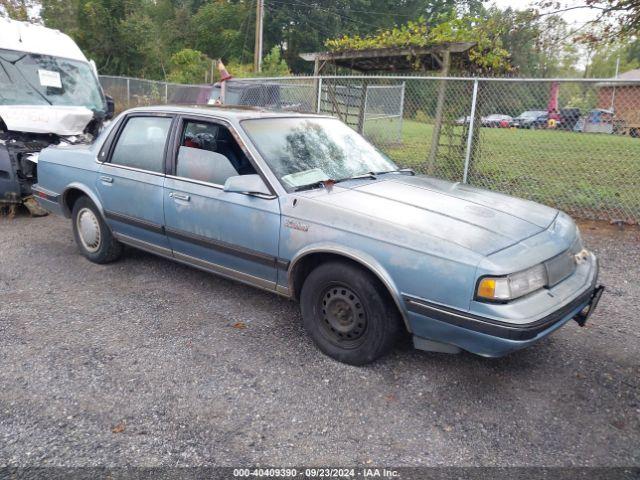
(512,286)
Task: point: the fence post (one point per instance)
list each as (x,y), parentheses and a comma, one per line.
(362,113)
(128,93)
(438,118)
(472,121)
(166,92)
(401,112)
(319,96)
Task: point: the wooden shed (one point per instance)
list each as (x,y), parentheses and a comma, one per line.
(623,98)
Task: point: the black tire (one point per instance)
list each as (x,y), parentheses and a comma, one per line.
(105,248)
(348,313)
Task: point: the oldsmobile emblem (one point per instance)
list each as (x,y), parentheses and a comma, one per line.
(303,227)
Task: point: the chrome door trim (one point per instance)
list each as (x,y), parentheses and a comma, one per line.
(136,222)
(225,272)
(216,186)
(224,247)
(208,267)
(133,169)
(142,245)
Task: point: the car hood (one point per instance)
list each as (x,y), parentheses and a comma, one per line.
(479,220)
(60,120)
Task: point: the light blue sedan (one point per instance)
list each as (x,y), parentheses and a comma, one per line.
(303,206)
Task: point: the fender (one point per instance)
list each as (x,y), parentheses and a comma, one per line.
(84,189)
(364,259)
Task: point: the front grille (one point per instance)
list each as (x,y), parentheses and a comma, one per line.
(560,267)
(563,265)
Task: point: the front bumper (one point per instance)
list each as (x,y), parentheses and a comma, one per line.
(490,337)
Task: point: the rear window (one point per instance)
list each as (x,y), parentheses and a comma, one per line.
(142,143)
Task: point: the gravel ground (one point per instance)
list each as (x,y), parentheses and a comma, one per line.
(142,362)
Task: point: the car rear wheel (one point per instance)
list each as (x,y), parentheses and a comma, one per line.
(348,313)
(92,235)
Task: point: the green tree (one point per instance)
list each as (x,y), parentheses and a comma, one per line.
(220,29)
(273,65)
(614,19)
(604,59)
(17,9)
(188,66)
(304,25)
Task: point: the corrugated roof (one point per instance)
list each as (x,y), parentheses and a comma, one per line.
(631,77)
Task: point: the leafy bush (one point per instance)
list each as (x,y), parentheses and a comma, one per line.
(188,66)
(421,117)
(273,65)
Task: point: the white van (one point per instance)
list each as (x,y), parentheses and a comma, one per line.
(49,93)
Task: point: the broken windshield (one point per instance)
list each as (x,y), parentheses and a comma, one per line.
(32,79)
(306,150)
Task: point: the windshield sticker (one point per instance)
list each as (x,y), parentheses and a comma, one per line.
(49,78)
(305,177)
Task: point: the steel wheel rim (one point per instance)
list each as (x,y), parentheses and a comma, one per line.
(343,318)
(89,230)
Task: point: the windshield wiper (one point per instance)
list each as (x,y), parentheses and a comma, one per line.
(372,175)
(310,186)
(399,170)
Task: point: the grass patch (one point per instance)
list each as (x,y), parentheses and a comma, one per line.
(587,174)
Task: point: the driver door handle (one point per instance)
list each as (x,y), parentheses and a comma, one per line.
(106,179)
(180,196)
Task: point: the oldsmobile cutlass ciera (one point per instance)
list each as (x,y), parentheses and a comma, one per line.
(303,206)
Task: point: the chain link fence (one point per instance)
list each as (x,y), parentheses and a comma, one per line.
(572,144)
(136,92)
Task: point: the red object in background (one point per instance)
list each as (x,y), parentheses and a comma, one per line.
(552,106)
(504,124)
(224,75)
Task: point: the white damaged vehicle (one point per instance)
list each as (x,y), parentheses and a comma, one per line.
(49,94)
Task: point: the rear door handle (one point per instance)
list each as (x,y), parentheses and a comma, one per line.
(180,196)
(105,179)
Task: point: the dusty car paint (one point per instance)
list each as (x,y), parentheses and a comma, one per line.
(427,240)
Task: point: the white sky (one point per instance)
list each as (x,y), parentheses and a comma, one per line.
(575,18)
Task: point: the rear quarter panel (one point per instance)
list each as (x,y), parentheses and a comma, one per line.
(64,167)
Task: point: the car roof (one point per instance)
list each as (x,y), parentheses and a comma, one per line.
(236,113)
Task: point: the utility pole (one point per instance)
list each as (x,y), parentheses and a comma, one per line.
(613,93)
(257,56)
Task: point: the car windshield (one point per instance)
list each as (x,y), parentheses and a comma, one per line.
(303,151)
(30,79)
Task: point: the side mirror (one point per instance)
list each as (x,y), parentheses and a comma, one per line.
(246,184)
(111,107)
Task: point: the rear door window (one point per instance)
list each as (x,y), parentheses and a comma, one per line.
(142,143)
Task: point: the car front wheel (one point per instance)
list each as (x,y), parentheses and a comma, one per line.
(92,235)
(348,313)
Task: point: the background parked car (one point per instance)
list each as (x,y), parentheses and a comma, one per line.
(463,120)
(496,120)
(529,118)
(569,118)
(597,120)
